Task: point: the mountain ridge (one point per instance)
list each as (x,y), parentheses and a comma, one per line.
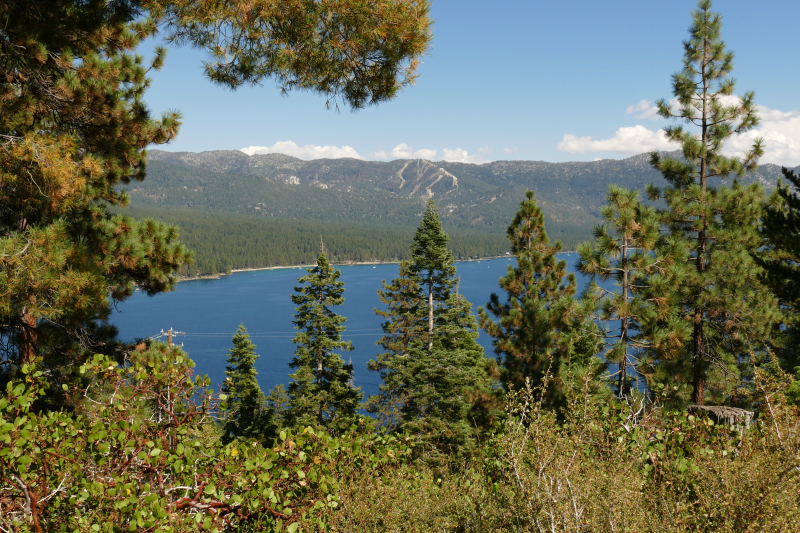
(480,197)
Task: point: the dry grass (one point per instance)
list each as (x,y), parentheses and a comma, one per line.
(591,474)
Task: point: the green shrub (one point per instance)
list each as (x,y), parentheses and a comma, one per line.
(138,458)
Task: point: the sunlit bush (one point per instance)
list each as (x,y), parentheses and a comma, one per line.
(139,457)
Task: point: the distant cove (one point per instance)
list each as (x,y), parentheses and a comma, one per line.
(210,310)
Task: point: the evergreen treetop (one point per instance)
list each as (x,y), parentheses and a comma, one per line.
(244,415)
(437,382)
(717,286)
(322,393)
(526,336)
(431,263)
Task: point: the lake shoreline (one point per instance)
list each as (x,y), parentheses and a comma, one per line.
(353,263)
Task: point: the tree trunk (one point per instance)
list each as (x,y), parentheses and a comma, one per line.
(430,311)
(623,364)
(28,342)
(698,363)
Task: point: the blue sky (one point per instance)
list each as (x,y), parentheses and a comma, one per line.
(511,79)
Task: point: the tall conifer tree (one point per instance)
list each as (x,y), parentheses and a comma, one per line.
(717,288)
(436,376)
(626,252)
(432,263)
(780,258)
(526,335)
(530,335)
(245,414)
(321,392)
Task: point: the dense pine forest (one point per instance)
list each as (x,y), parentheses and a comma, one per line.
(221,242)
(670,402)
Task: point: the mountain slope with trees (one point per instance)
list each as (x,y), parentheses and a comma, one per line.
(475,197)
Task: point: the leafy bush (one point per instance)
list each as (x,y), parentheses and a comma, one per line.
(142,453)
(138,458)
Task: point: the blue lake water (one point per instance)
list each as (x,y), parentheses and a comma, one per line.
(210,311)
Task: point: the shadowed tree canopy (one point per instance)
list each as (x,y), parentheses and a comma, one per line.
(360,51)
(780,258)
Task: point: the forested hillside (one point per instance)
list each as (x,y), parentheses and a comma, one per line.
(224,241)
(365,210)
(478,197)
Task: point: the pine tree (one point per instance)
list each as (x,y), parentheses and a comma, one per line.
(245,415)
(322,392)
(403,327)
(431,263)
(74,131)
(626,252)
(717,287)
(363,53)
(530,336)
(780,258)
(436,379)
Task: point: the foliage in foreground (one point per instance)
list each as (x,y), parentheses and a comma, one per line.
(142,454)
(609,467)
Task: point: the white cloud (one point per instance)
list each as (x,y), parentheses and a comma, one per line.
(779,129)
(306,152)
(626,141)
(646,110)
(457,155)
(781,133)
(510,150)
(401,151)
(404,151)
